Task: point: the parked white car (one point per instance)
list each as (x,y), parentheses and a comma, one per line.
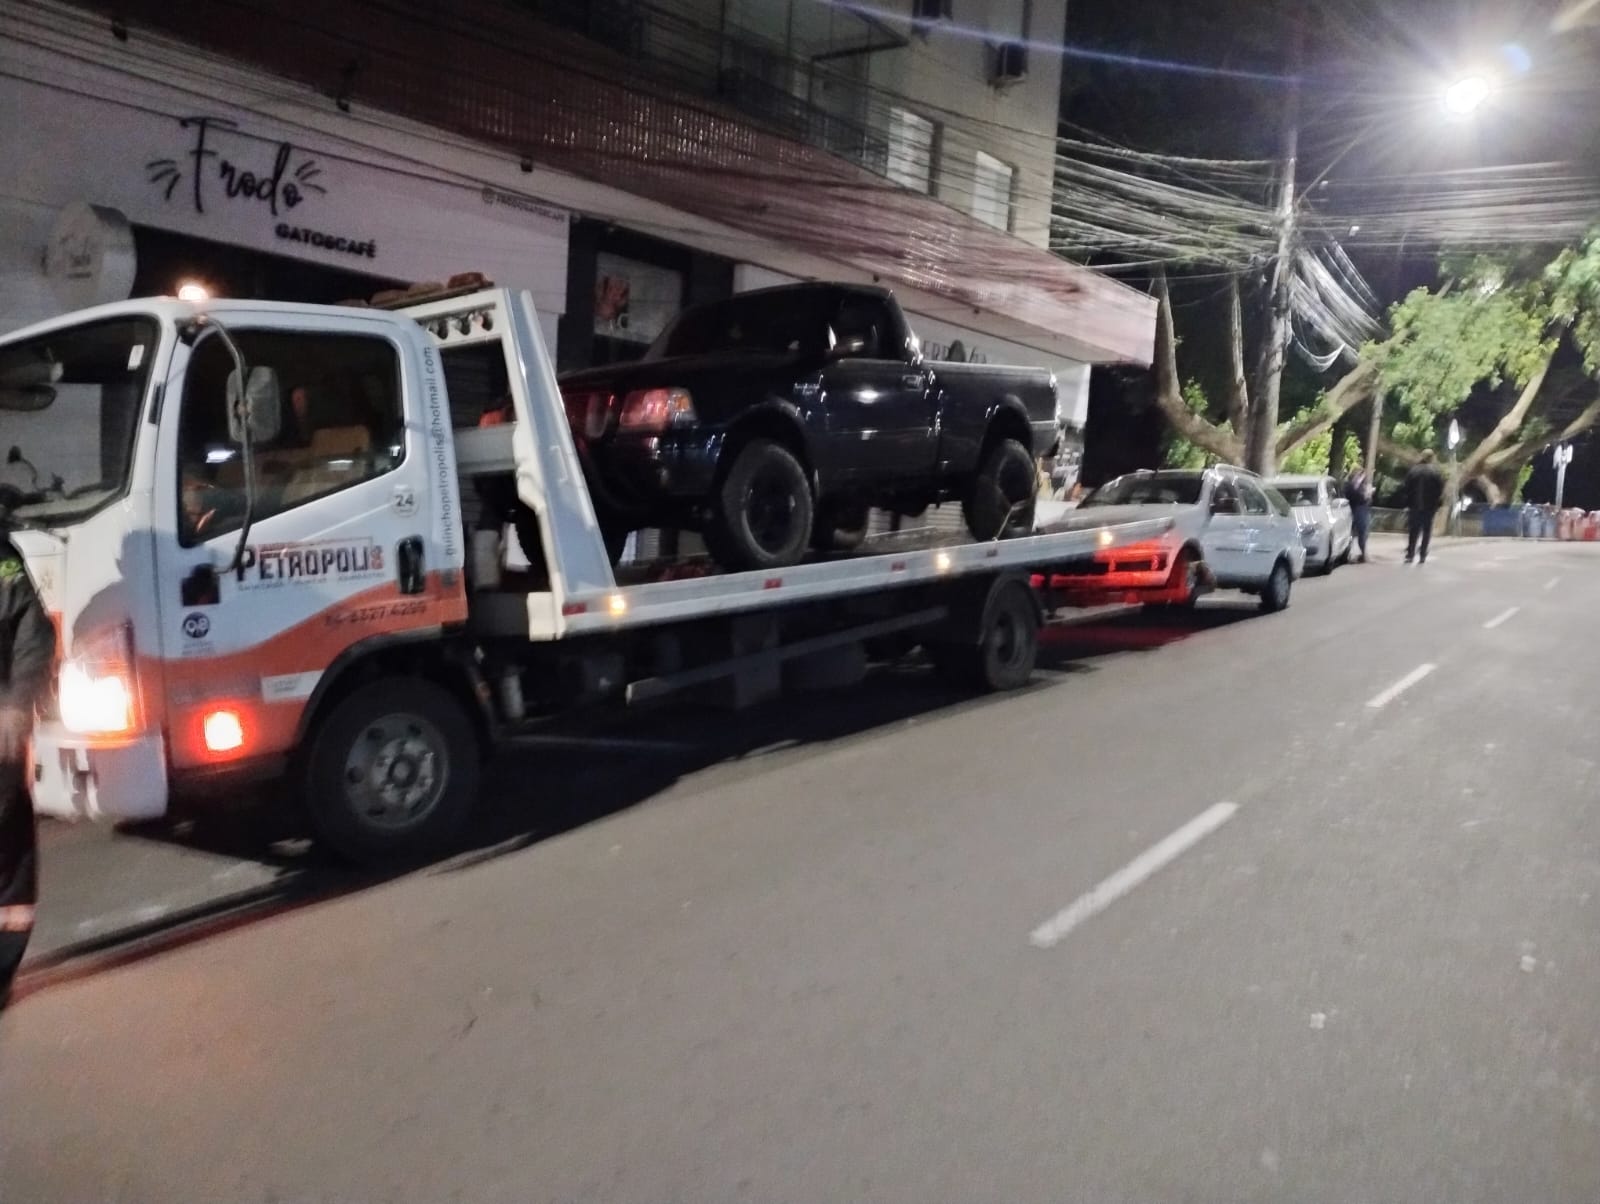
(1229,530)
(1327,526)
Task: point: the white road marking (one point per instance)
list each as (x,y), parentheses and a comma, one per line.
(1054,930)
(1401,686)
(1500,618)
(1551,584)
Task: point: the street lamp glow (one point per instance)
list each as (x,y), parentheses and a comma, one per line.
(1453,438)
(1467,95)
(193,290)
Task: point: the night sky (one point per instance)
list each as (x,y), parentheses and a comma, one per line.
(1373,76)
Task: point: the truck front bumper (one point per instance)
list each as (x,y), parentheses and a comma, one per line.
(75,778)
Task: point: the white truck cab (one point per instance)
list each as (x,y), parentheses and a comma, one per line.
(251,523)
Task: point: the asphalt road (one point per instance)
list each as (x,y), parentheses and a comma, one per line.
(1225,909)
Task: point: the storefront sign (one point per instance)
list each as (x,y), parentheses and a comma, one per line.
(210,172)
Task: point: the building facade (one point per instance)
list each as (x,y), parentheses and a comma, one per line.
(617,159)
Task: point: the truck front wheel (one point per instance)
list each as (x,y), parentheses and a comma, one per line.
(1000,502)
(393,771)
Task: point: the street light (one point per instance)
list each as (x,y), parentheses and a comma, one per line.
(1563,457)
(1468,94)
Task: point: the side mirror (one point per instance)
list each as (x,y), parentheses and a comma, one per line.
(262,403)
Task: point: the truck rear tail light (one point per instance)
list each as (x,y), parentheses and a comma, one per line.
(656,410)
(223,731)
(17,917)
(98,689)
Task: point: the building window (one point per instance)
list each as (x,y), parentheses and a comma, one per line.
(991,191)
(911,148)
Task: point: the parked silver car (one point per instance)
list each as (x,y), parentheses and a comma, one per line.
(1327,527)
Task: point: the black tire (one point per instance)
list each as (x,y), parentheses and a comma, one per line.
(1000,502)
(764,509)
(841,528)
(1187,569)
(1007,649)
(393,771)
(1275,593)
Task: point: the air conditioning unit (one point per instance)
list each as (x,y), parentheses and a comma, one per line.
(1010,63)
(925,12)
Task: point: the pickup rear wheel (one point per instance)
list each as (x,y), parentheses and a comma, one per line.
(393,771)
(1001,500)
(764,509)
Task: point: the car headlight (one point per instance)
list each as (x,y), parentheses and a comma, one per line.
(98,690)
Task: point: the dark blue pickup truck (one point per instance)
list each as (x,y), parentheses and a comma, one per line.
(773,421)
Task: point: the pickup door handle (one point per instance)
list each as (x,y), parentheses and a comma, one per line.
(913,380)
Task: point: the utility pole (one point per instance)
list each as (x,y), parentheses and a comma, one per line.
(1563,457)
(1261,453)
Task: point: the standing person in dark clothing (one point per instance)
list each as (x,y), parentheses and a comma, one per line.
(1358,492)
(27,656)
(1424,490)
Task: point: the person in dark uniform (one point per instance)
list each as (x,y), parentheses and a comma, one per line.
(1424,492)
(27,657)
(1358,492)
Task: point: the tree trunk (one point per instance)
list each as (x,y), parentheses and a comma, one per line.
(1352,389)
(1169,392)
(1510,423)
(1261,449)
(1336,448)
(1238,387)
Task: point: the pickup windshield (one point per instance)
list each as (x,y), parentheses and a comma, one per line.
(780,323)
(69,408)
(1152,489)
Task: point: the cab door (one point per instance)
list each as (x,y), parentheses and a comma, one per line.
(342,548)
(1226,538)
(879,408)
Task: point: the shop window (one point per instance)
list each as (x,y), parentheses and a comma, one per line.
(911,150)
(341,423)
(991,191)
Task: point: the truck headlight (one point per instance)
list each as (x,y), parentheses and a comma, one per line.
(98,692)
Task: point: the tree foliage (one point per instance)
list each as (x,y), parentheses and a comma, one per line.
(1482,347)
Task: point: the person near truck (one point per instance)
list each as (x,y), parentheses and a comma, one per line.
(1424,492)
(1358,492)
(27,657)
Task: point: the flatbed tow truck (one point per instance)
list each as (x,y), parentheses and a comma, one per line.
(271,544)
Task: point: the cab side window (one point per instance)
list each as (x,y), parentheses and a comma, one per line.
(1255,502)
(340,423)
(867,319)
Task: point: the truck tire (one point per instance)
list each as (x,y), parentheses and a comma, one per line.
(764,509)
(1000,502)
(392,772)
(1275,593)
(1007,648)
(840,528)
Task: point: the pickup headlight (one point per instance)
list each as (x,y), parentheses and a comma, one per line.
(98,687)
(657,410)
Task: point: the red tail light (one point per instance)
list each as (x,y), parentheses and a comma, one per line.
(656,410)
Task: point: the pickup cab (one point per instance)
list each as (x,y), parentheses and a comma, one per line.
(773,421)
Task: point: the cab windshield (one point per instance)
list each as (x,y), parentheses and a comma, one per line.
(70,403)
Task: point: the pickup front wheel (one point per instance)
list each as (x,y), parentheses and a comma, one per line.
(764,509)
(1001,500)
